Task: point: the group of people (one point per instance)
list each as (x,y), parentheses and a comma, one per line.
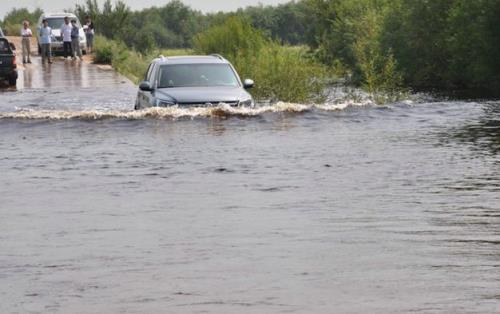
(70,33)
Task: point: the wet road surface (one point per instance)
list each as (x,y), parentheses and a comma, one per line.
(67,85)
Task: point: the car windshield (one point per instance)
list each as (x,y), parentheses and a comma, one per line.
(56,23)
(189,75)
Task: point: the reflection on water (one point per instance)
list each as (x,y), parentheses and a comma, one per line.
(483,135)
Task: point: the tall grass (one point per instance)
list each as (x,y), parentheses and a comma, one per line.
(280,72)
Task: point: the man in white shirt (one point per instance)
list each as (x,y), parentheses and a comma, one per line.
(66,35)
(26,42)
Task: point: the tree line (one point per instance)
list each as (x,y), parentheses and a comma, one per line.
(443,45)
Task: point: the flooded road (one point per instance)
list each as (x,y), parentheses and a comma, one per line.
(344,207)
(67,85)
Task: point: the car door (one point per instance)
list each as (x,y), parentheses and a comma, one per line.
(7,65)
(154,84)
(145,98)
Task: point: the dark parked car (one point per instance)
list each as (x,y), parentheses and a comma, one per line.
(192,81)
(8,66)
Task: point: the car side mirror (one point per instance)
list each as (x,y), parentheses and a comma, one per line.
(248,83)
(145,86)
(12,46)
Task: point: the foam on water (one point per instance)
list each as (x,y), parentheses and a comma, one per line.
(177,112)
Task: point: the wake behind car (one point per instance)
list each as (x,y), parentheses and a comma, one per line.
(193,81)
(55,21)
(8,66)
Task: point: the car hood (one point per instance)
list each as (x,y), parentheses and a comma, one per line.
(200,95)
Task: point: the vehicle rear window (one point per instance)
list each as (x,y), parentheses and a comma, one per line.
(4,46)
(190,75)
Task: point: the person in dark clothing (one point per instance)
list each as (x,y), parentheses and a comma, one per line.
(75,41)
(88,28)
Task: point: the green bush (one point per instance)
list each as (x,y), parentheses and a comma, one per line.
(284,73)
(377,69)
(103,50)
(281,73)
(128,62)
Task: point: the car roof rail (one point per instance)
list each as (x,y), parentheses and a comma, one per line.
(218,56)
(163,58)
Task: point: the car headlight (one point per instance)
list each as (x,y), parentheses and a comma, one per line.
(247,103)
(164,103)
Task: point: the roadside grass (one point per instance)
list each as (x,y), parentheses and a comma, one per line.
(281,73)
(126,61)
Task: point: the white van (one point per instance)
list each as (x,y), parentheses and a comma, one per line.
(56,20)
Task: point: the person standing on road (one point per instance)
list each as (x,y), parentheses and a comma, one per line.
(75,40)
(66,34)
(26,42)
(89,33)
(45,41)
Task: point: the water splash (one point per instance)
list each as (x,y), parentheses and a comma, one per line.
(175,112)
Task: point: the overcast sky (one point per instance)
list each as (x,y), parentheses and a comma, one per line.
(203,5)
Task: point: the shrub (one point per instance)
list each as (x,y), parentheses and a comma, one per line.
(128,62)
(103,50)
(377,69)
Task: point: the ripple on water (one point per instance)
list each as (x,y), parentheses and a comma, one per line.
(175,112)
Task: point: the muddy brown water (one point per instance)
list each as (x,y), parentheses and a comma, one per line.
(344,207)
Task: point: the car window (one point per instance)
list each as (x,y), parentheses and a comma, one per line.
(189,75)
(148,73)
(154,74)
(4,46)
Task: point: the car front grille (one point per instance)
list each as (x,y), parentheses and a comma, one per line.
(209,103)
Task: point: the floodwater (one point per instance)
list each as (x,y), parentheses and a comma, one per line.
(345,207)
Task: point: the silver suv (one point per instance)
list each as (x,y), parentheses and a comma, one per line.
(193,81)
